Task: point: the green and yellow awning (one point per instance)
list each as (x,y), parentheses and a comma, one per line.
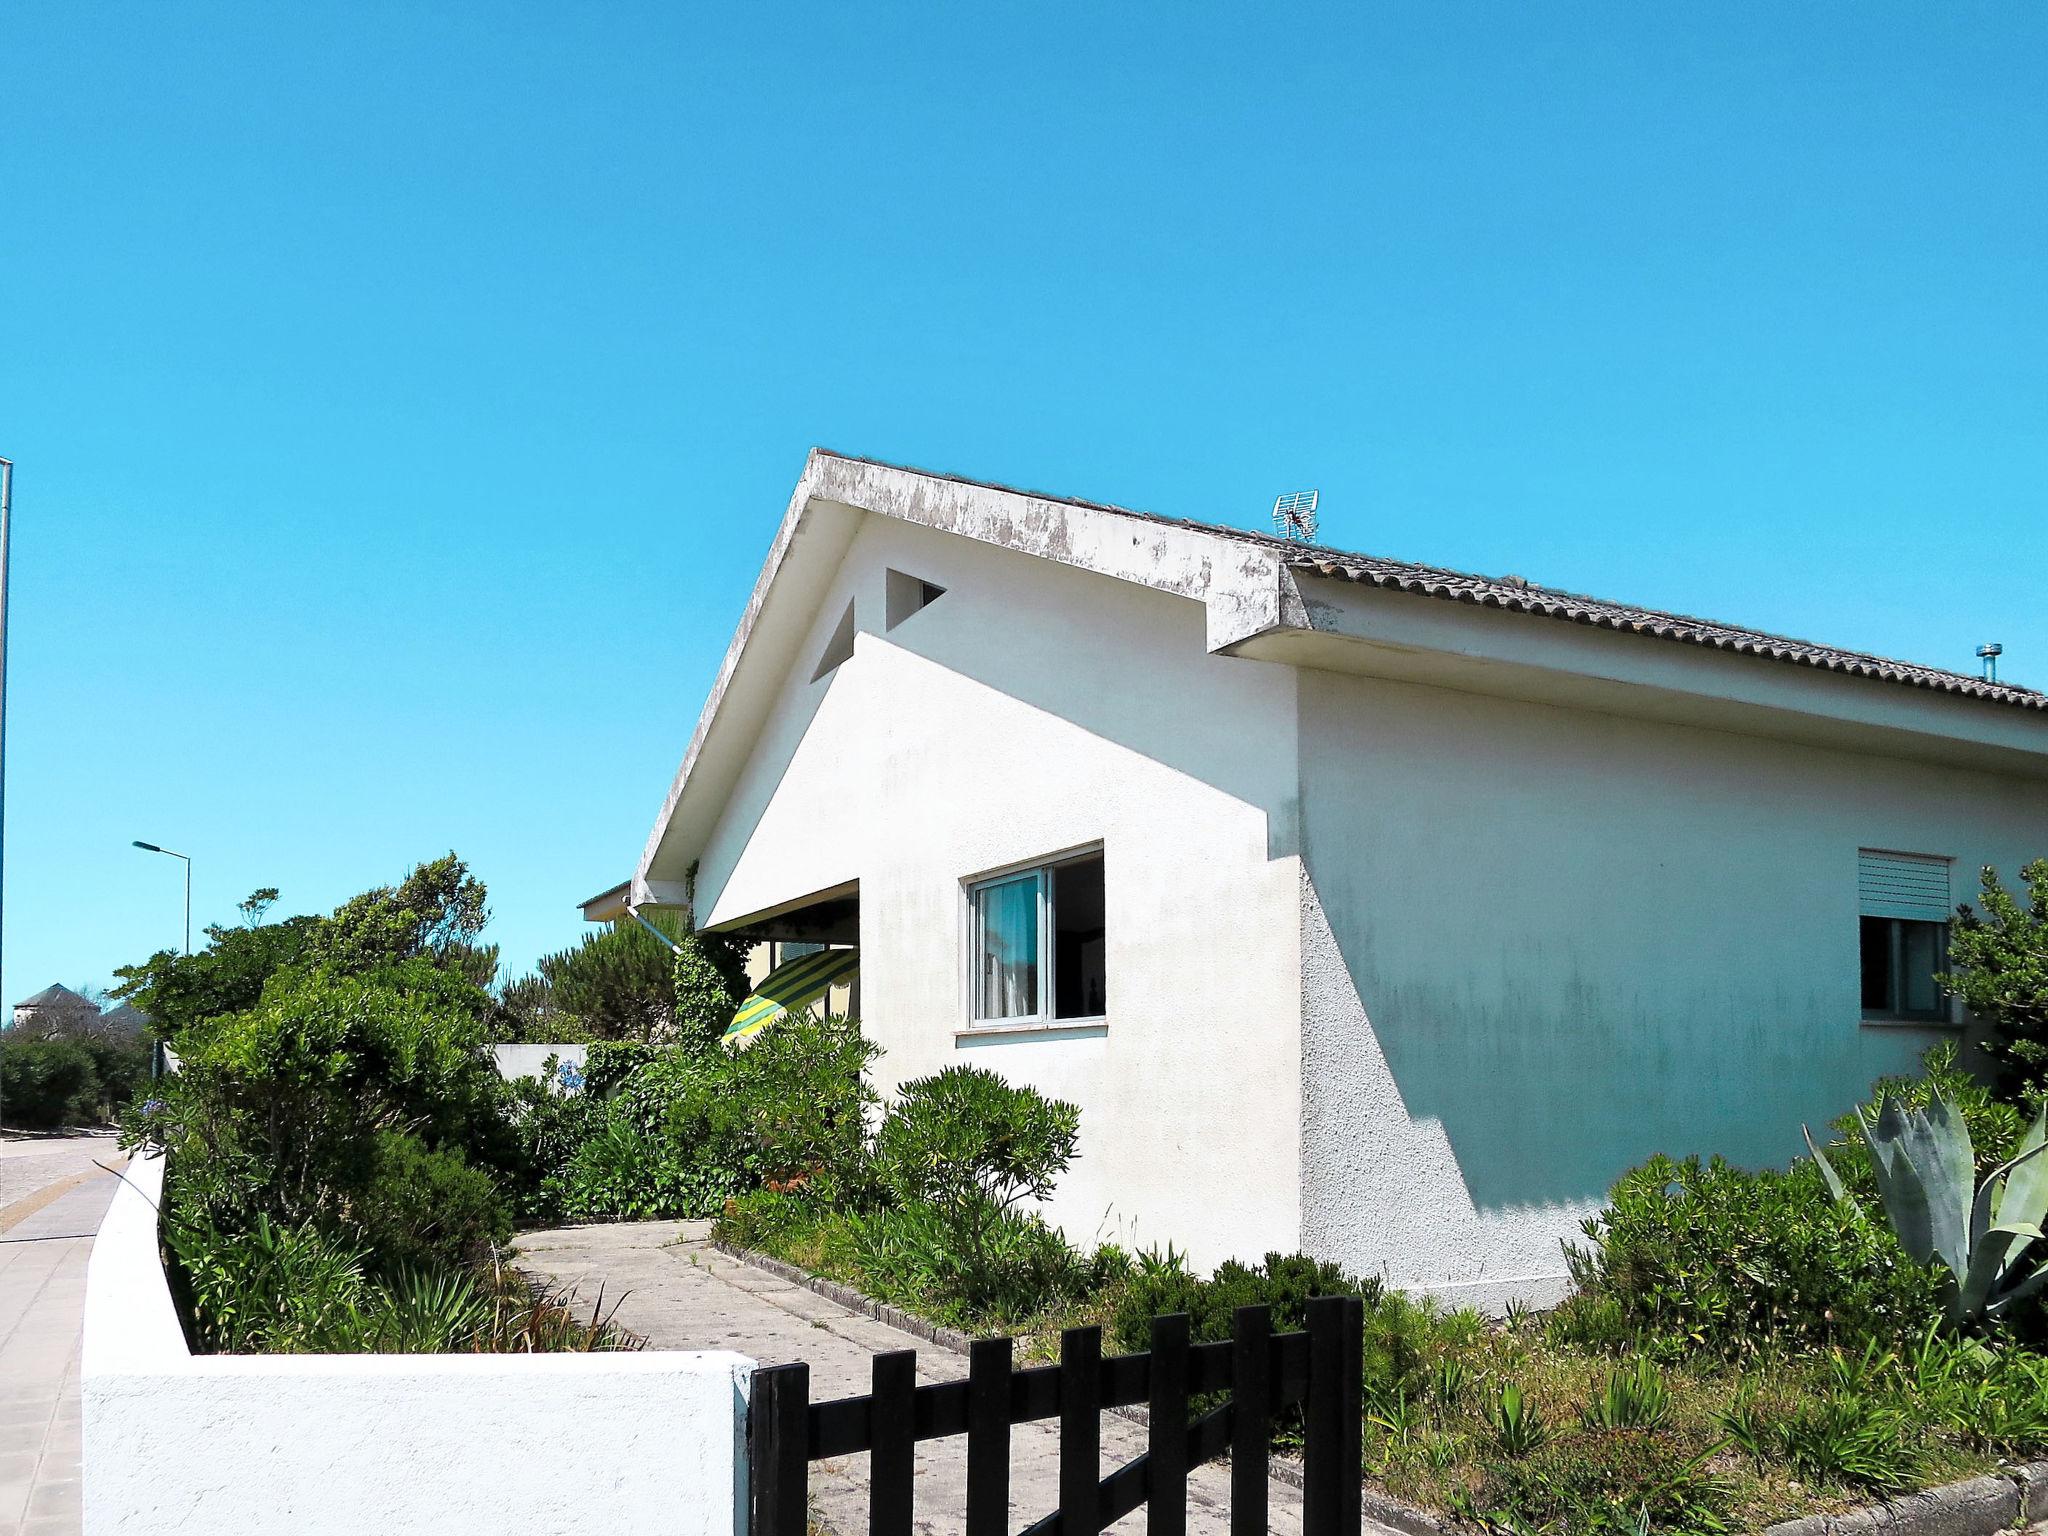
(791,986)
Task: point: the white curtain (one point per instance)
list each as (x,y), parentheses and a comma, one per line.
(1007,930)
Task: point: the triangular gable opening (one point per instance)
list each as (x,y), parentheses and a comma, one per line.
(839,648)
(907,594)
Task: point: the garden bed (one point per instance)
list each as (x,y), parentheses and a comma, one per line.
(1605,1438)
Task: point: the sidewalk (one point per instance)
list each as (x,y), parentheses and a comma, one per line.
(686,1295)
(45,1236)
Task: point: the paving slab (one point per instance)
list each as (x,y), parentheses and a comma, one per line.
(43,1253)
(30,1164)
(677,1291)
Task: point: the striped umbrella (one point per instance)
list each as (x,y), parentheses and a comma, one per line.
(789,987)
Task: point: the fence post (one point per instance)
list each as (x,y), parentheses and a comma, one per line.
(778,1453)
(1080,1431)
(1166,1451)
(892,1441)
(988,1437)
(1333,1469)
(1251,1411)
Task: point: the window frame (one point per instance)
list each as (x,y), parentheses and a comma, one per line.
(1046,1018)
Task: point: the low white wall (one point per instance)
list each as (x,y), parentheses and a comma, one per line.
(528,1060)
(516,1445)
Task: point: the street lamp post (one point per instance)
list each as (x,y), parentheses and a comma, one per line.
(152,848)
(6,513)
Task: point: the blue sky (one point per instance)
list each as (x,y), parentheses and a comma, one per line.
(404,395)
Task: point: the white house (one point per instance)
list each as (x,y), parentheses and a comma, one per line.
(1366,908)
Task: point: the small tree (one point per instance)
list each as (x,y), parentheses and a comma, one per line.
(1999,966)
(971,1146)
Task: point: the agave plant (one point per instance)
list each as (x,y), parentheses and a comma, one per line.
(1925,1168)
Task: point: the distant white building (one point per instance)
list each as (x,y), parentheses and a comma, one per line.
(55,1007)
(1367,908)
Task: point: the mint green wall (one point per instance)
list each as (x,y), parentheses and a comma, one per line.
(1576,940)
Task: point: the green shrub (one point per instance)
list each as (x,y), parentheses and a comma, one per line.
(276,1109)
(545,1125)
(1998,963)
(427,1209)
(1707,1257)
(1021,1269)
(1284,1282)
(269,1289)
(961,1149)
(622,1174)
(678,1131)
(46,1084)
(123,1067)
(794,1103)
(768,1219)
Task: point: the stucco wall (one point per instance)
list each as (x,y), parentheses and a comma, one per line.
(1541,944)
(1031,710)
(419,1445)
(527,1060)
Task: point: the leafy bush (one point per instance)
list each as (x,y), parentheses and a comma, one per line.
(545,1125)
(1284,1282)
(269,1289)
(961,1149)
(622,1174)
(45,1084)
(1021,1269)
(424,1208)
(678,1131)
(275,1109)
(625,983)
(1700,1256)
(1998,963)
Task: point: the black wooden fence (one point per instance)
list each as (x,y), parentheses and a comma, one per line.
(1262,1371)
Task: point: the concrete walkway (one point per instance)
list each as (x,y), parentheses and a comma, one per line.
(56,1201)
(680,1293)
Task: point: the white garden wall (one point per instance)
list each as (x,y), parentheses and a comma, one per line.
(513,1445)
(515,1061)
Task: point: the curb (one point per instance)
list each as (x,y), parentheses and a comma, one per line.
(852,1300)
(1977,1506)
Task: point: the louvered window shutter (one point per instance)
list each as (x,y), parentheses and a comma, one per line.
(1908,885)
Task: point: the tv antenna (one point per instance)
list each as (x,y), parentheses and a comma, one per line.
(1294,516)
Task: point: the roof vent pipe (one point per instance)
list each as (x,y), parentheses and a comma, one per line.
(1989,654)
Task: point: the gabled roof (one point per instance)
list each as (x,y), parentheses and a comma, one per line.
(1511,592)
(1262,601)
(54,994)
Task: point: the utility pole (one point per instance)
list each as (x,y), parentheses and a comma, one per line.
(6,513)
